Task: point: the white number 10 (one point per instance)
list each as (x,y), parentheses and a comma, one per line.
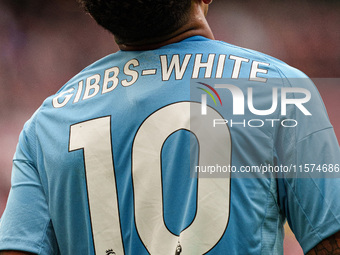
(213,194)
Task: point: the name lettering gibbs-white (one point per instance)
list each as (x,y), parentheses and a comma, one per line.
(171,66)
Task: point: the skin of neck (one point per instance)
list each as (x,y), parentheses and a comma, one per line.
(196,25)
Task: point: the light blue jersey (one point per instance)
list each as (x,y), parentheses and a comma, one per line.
(109,164)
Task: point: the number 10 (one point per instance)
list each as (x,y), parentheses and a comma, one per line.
(213,194)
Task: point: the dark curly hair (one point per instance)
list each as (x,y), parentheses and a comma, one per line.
(135,20)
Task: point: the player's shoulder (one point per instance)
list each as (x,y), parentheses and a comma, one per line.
(70,87)
(88,74)
(91,69)
(278,66)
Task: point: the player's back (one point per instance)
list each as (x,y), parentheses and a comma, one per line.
(119,148)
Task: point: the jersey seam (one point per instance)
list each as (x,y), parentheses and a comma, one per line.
(290,187)
(257,54)
(314,228)
(23,160)
(264,218)
(303,211)
(325,201)
(43,237)
(314,132)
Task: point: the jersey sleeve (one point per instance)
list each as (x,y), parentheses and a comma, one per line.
(26,224)
(309,193)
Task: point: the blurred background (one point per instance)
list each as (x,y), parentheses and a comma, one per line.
(44,43)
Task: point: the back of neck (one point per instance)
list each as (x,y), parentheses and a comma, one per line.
(197,25)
